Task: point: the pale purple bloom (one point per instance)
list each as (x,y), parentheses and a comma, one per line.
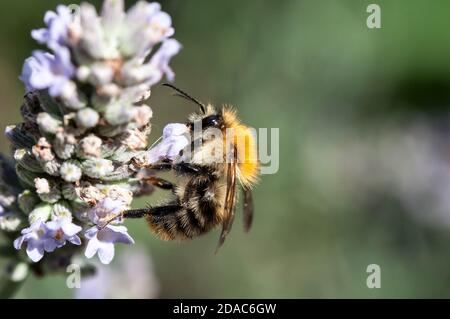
(161,25)
(63,230)
(47,71)
(2,211)
(160,61)
(39,240)
(102,241)
(174,140)
(146,25)
(56,33)
(103,236)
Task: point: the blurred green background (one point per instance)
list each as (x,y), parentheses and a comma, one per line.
(364,123)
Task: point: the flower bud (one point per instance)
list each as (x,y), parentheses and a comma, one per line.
(83,73)
(120,153)
(27,201)
(70,191)
(118,113)
(101,74)
(142,115)
(64,145)
(90,146)
(119,174)
(120,192)
(43,151)
(87,118)
(47,123)
(62,210)
(97,167)
(41,212)
(71,97)
(47,190)
(135,140)
(109,90)
(91,195)
(71,171)
(52,167)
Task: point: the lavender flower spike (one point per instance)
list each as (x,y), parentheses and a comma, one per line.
(84,122)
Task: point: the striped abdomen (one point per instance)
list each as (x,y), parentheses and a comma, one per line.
(197,209)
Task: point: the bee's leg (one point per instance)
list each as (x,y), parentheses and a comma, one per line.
(169,222)
(159,182)
(189,168)
(161,167)
(158,211)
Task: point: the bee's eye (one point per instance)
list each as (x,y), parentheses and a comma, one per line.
(212,121)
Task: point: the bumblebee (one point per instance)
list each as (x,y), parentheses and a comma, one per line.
(208,172)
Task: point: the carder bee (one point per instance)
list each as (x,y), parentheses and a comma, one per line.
(222,154)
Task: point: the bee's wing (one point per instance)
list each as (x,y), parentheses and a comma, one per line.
(248,209)
(230,201)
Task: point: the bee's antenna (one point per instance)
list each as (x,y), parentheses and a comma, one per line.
(187,96)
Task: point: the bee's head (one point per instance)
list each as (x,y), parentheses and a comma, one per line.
(209,119)
(207,116)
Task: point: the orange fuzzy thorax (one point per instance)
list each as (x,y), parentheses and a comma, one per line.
(246,145)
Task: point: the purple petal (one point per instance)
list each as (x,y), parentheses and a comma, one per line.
(91,233)
(35,253)
(63,63)
(115,234)
(35,75)
(49,16)
(176,144)
(70,229)
(44,70)
(49,245)
(40,35)
(173,142)
(163,20)
(161,59)
(56,33)
(75,240)
(92,248)
(19,242)
(175,129)
(106,253)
